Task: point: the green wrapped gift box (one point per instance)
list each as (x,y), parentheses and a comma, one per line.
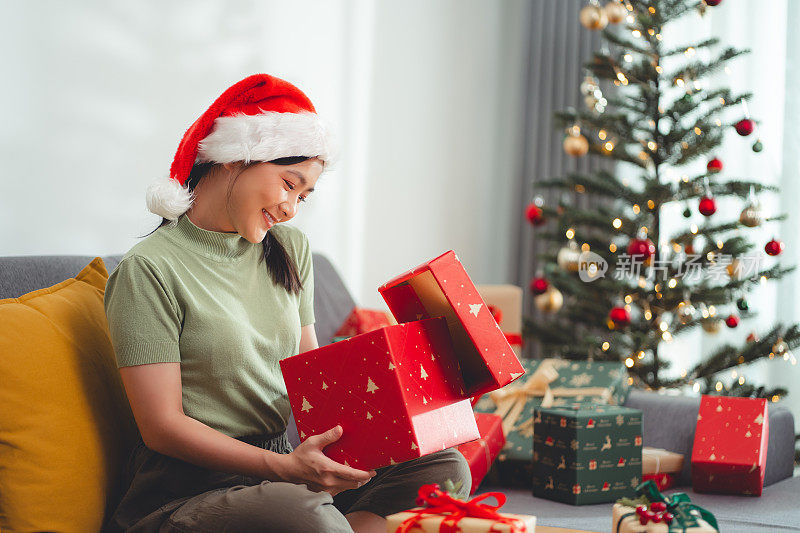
(585,454)
(547,382)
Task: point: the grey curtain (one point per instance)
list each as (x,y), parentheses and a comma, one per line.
(557,50)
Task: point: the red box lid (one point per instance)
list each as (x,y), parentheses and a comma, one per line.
(441,288)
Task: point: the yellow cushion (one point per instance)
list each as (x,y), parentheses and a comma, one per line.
(66,428)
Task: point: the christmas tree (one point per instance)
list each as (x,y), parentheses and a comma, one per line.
(613,286)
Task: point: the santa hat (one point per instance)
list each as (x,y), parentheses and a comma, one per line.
(260,118)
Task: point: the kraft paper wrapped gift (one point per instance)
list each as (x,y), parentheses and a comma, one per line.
(659,461)
(446,513)
(652,512)
(586,454)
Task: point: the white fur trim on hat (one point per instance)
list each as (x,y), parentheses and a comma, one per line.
(168,198)
(265,137)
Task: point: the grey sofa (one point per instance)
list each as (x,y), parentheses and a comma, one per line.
(668,420)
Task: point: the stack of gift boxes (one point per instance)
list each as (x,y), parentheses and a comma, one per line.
(442,370)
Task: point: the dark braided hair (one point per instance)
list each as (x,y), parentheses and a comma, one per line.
(282,269)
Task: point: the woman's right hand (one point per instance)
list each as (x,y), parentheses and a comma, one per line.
(307,464)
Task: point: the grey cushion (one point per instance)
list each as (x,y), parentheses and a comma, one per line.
(774,511)
(669,423)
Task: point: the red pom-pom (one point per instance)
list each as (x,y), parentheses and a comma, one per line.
(745,127)
(539,286)
(641,248)
(715,165)
(658,507)
(620,316)
(732,321)
(534,215)
(640,509)
(668,518)
(708,206)
(773,247)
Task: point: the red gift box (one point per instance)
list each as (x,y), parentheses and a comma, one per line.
(363,321)
(663,481)
(730,445)
(442,288)
(482,452)
(395,391)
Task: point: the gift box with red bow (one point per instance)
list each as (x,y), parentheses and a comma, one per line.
(362,320)
(403,391)
(482,452)
(730,445)
(442,512)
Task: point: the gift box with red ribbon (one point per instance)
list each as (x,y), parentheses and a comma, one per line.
(362,320)
(395,391)
(481,453)
(442,512)
(663,481)
(505,304)
(730,445)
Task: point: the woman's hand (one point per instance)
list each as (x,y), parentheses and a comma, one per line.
(307,464)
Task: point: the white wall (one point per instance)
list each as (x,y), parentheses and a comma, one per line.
(423,96)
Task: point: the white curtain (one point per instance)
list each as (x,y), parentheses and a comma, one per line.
(770,73)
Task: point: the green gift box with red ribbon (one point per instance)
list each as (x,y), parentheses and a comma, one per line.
(587,454)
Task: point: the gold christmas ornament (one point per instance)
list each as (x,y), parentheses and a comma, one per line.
(685,312)
(615,12)
(751,216)
(576,144)
(569,257)
(550,301)
(712,325)
(593,17)
(734,270)
(780,347)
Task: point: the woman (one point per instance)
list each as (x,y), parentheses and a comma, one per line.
(201,311)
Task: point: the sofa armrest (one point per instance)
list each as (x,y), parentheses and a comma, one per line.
(669,423)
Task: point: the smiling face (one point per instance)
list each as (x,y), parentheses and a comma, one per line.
(266,194)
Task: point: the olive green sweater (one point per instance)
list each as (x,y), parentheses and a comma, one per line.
(205,299)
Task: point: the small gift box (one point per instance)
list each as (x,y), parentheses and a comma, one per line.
(548,383)
(481,453)
(587,454)
(658,461)
(505,304)
(363,321)
(730,445)
(652,512)
(445,513)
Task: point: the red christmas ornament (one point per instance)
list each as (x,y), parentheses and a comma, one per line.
(641,248)
(773,247)
(713,3)
(534,215)
(708,206)
(732,321)
(620,316)
(745,127)
(539,286)
(715,165)
(689,249)
(752,337)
